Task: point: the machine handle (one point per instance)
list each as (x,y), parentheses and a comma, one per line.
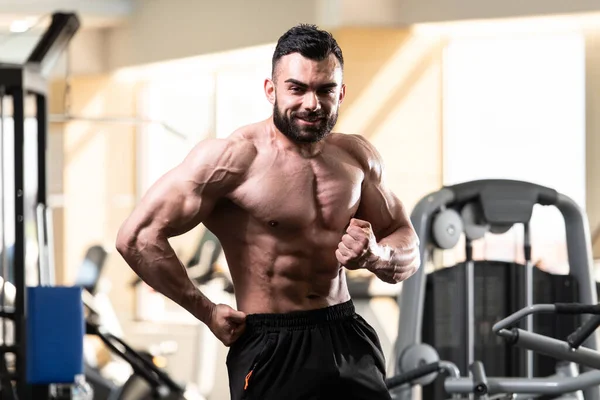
(480,383)
(577,308)
(576,338)
(411,375)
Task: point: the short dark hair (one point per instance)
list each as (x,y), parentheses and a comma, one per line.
(308,40)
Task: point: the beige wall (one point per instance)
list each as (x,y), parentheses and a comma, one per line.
(168,29)
(593,134)
(161,30)
(56,175)
(94,182)
(393,79)
(419,11)
(97,187)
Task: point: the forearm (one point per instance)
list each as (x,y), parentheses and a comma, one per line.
(402,238)
(155,262)
(396,256)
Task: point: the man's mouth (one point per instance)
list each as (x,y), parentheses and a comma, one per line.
(310,120)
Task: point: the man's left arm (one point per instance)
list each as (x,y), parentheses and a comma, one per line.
(381,237)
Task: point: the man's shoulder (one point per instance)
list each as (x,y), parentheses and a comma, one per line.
(360,148)
(231,151)
(247,138)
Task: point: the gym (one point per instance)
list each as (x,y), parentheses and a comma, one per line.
(484,114)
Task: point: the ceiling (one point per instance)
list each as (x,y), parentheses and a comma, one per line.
(22,22)
(93,13)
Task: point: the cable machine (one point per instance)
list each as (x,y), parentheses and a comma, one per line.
(20,83)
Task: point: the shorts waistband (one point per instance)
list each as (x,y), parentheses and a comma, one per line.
(300,319)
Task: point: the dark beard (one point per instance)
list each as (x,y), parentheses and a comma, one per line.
(303,134)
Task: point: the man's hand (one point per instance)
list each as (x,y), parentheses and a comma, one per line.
(357,246)
(226,323)
(359,249)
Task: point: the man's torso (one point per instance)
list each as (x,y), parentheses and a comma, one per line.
(280,228)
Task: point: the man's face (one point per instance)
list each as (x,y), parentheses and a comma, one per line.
(306,96)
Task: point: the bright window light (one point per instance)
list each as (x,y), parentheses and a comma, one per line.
(514,108)
(20,25)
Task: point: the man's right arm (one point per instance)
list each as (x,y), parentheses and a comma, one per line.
(176,203)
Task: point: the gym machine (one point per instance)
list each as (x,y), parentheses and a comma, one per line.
(562,384)
(447,318)
(148,380)
(25,371)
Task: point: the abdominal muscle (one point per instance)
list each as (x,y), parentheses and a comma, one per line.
(271,276)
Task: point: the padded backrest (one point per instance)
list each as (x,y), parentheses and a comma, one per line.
(55,329)
(91,268)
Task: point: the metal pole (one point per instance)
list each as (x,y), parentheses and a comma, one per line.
(5,271)
(19,252)
(50,244)
(42,146)
(42,138)
(528,293)
(470,293)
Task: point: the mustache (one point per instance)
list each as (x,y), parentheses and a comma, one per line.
(309,115)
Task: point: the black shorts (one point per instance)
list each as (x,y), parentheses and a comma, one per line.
(330,353)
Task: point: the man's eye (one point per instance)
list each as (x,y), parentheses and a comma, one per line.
(327,91)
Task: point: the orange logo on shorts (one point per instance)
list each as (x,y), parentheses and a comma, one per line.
(247,379)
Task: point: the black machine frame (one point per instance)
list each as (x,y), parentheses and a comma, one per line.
(19,81)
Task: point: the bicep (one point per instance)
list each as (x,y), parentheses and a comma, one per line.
(172,206)
(187,194)
(378,205)
(382,209)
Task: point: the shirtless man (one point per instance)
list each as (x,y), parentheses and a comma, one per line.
(294,205)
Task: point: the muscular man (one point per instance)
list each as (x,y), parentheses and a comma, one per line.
(294,205)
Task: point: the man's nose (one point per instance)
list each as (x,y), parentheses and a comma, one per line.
(311,101)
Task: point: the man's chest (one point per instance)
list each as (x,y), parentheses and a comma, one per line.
(297,194)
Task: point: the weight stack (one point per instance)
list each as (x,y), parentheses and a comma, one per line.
(499,291)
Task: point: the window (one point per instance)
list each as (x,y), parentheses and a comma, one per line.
(514,108)
(182,114)
(240,98)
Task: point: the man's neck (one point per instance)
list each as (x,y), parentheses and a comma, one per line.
(306,150)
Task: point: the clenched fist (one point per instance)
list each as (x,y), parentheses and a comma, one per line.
(357,246)
(394,261)
(226,323)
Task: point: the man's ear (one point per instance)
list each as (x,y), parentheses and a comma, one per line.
(270,90)
(342,93)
